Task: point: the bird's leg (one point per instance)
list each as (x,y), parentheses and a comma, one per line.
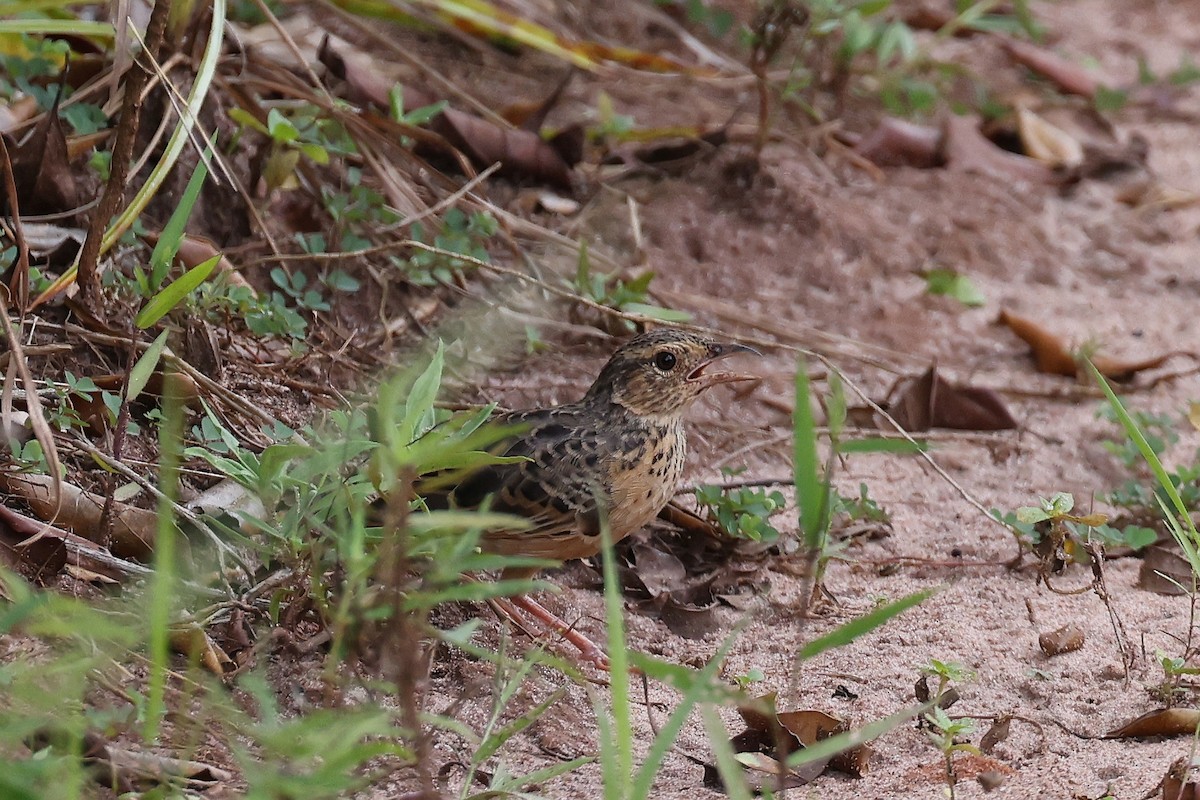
(519,608)
(586,647)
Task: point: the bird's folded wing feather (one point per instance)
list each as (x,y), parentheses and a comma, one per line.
(557,489)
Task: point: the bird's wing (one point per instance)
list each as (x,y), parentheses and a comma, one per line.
(556,489)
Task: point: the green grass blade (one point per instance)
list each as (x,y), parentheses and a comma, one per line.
(174,293)
(875,444)
(732,776)
(497,740)
(697,687)
(162,585)
(140,374)
(172,233)
(1182,526)
(57,27)
(810,489)
(859,626)
(618,655)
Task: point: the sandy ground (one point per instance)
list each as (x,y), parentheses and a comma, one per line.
(826,246)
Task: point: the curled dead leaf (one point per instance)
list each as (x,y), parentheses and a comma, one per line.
(900,143)
(1163,722)
(1164,571)
(1182,781)
(968,150)
(1046,142)
(768,730)
(36,558)
(18,111)
(133,528)
(41,169)
(194,642)
(1152,193)
(519,152)
(932,402)
(1049,352)
(1066,639)
(996,734)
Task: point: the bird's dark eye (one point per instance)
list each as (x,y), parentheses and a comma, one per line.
(664,360)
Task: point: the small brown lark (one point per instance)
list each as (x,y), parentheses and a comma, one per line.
(618,452)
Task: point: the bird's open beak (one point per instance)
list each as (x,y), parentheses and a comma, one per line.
(717,351)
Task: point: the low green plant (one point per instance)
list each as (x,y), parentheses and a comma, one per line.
(1176,513)
(864,47)
(945,734)
(947,673)
(459,233)
(26,65)
(744,511)
(300,131)
(954,284)
(1142,496)
(1176,670)
(612,291)
(859,509)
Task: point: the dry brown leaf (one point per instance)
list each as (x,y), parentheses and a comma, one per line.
(1164,571)
(39,561)
(1052,357)
(1163,722)
(1049,352)
(996,734)
(799,729)
(18,111)
(1047,143)
(968,150)
(931,402)
(1182,781)
(1066,639)
(1071,78)
(90,576)
(42,169)
(900,143)
(519,152)
(1152,193)
(1122,370)
(133,529)
(194,642)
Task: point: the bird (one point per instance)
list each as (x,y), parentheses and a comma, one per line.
(614,457)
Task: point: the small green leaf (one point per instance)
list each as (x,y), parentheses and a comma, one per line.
(315,152)
(139,376)
(174,293)
(281,128)
(243,117)
(950,283)
(1028,515)
(422,115)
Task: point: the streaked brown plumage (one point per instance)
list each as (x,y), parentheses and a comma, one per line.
(621,448)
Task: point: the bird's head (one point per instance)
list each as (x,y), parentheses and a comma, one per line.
(661,372)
